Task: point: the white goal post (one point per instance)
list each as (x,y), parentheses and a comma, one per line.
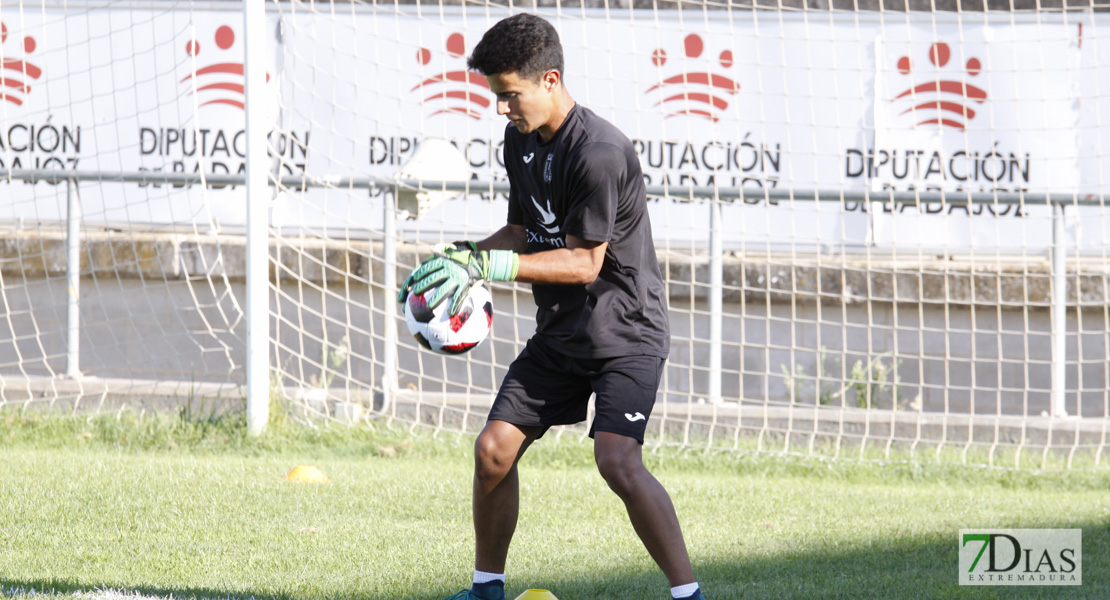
(884,232)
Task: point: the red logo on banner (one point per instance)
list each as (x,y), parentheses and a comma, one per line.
(939,101)
(218,82)
(697,94)
(14,81)
(454,92)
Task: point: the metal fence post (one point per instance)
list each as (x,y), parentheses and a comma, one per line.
(716,297)
(73,280)
(389,291)
(1059,311)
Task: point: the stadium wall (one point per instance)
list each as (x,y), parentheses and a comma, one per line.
(920,313)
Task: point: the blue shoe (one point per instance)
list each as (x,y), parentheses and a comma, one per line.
(463,595)
(497,593)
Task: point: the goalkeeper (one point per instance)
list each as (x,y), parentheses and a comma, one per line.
(578,231)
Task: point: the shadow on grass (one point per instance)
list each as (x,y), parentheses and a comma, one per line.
(907,567)
(910,568)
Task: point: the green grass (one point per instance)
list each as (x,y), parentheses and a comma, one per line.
(196,508)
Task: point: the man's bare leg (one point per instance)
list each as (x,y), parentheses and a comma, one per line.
(620,461)
(497,491)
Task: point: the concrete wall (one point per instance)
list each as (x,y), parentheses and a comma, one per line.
(878,277)
(961,335)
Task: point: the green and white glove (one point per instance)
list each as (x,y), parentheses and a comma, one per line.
(454,268)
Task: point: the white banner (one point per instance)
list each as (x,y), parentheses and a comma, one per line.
(850,102)
(126,90)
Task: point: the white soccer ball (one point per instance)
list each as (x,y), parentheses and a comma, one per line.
(441,333)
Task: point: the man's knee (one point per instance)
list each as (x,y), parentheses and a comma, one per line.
(621,468)
(498,448)
(492,456)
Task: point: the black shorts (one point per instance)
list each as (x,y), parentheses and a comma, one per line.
(545,388)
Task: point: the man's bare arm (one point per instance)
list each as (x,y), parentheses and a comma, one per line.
(509,237)
(579,263)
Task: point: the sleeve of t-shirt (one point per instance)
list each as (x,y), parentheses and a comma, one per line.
(594,192)
(516,214)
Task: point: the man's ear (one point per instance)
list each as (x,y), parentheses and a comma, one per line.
(551,79)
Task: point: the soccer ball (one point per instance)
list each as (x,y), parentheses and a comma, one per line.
(441,333)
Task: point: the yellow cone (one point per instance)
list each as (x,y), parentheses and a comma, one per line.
(537,595)
(306,474)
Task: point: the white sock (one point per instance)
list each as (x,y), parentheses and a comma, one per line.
(683,591)
(483,577)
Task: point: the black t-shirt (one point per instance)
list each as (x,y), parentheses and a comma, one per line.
(586,182)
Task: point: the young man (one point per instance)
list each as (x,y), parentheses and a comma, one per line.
(578,231)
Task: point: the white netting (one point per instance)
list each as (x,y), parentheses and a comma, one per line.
(846,324)
(88,88)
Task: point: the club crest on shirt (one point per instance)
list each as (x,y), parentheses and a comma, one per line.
(547,168)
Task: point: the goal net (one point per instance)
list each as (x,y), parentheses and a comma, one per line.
(882,229)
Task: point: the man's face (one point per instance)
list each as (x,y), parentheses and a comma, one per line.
(525,102)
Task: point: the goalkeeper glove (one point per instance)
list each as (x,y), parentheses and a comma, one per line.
(454,268)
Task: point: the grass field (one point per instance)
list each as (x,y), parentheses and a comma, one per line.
(172,508)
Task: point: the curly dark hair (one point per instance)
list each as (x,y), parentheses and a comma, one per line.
(523,44)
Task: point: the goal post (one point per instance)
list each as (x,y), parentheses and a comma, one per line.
(883,231)
(258,196)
